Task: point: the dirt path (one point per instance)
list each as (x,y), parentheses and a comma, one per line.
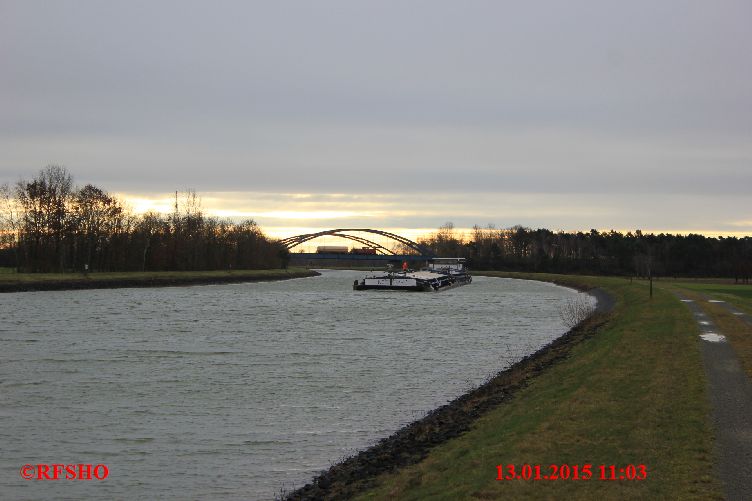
(730,392)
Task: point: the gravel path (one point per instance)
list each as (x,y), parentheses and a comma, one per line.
(605,302)
(730,392)
(731,308)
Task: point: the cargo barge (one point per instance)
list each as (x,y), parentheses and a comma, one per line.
(441,274)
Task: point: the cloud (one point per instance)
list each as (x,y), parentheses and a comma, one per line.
(632,109)
(623,212)
(383,159)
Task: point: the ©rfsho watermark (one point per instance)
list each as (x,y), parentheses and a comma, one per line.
(58,471)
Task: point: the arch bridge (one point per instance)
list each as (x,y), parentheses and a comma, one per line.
(291,242)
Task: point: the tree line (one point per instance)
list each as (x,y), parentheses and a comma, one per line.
(49,225)
(597,252)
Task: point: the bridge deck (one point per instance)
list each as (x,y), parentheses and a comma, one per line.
(356,257)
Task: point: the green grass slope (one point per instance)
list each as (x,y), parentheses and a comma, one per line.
(632,394)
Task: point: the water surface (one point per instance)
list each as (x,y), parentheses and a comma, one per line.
(237,391)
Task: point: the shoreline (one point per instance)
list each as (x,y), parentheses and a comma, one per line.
(412,442)
(144,280)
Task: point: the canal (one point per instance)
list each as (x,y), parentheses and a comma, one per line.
(239,391)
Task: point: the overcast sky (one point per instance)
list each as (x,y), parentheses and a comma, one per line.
(566,115)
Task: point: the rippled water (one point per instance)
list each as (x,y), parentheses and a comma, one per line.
(236,391)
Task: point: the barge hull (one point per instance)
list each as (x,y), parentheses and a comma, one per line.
(414,288)
(421,287)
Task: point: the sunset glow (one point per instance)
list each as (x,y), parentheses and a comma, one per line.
(285,214)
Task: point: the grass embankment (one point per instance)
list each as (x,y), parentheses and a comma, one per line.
(634,393)
(736,330)
(16,282)
(740,295)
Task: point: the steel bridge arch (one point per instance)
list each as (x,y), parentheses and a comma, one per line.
(291,242)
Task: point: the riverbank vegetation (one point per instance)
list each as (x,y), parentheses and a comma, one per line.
(633,393)
(49,225)
(597,252)
(18,282)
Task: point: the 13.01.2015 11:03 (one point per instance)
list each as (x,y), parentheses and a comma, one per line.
(571,472)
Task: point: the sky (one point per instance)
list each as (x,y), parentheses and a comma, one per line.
(392,114)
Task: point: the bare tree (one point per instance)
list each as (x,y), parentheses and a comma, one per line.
(149,227)
(97,218)
(8,221)
(44,216)
(445,242)
(576,310)
(8,210)
(59,184)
